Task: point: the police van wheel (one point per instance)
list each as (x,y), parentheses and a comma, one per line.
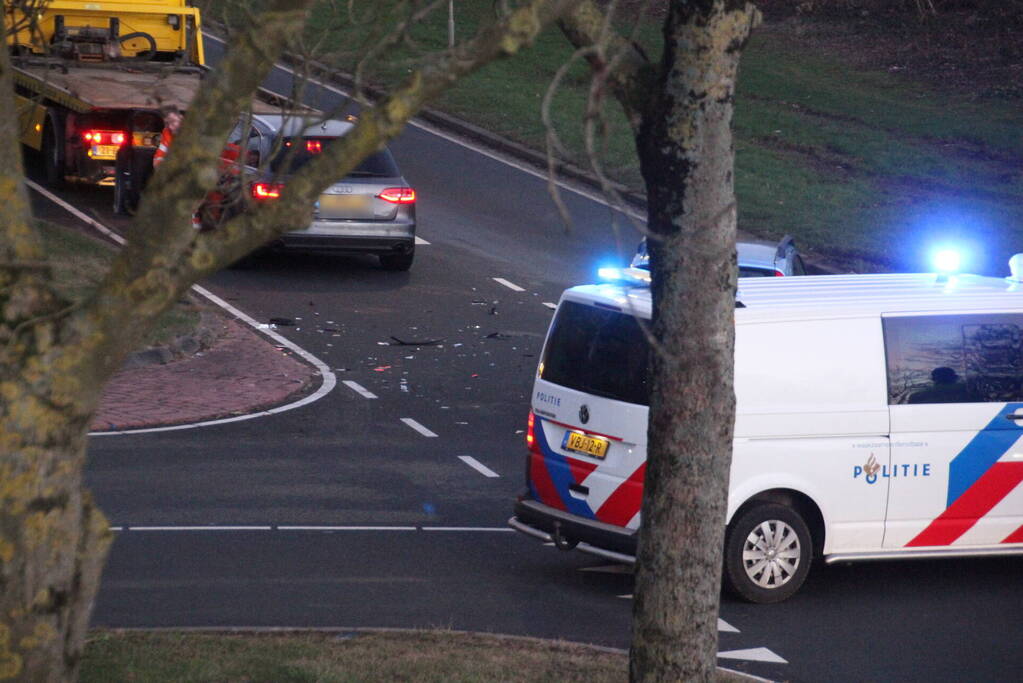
(768,550)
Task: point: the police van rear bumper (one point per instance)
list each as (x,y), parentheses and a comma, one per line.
(570,532)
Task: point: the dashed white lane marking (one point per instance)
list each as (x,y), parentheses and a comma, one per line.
(329,379)
(478,466)
(200,528)
(550,305)
(510,285)
(753,654)
(418,427)
(420,240)
(726,627)
(359,389)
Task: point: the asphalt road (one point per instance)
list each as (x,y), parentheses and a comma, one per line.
(405,530)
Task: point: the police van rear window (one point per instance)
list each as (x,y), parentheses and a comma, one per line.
(598,352)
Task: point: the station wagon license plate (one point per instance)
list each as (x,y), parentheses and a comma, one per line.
(104,151)
(583,443)
(330,203)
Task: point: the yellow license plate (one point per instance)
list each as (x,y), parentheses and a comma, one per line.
(583,443)
(342,202)
(104,151)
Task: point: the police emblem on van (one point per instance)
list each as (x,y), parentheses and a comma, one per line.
(584,414)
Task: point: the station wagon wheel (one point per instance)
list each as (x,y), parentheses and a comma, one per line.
(398,262)
(768,550)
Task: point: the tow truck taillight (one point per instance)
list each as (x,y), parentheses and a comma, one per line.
(398,195)
(264,191)
(104,137)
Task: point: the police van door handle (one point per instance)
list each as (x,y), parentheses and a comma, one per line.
(1015,417)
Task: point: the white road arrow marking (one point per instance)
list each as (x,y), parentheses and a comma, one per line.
(726,627)
(753,654)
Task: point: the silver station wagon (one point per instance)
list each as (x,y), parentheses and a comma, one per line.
(371,210)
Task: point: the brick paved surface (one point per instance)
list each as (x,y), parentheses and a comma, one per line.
(241,373)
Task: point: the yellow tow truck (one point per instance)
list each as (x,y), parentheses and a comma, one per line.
(91,79)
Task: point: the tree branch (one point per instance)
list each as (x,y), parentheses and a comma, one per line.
(629,73)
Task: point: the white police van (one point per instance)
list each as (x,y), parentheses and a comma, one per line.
(877,416)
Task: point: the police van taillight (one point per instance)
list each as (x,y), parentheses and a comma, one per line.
(531,433)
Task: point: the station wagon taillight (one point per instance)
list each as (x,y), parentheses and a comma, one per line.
(398,195)
(264,191)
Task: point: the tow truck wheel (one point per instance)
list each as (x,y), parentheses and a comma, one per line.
(768,550)
(53,152)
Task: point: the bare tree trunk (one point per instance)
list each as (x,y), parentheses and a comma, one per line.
(686,154)
(52,540)
(55,358)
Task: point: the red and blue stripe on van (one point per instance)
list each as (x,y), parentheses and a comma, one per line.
(552,475)
(979,478)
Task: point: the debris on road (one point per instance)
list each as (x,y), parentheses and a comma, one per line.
(426,342)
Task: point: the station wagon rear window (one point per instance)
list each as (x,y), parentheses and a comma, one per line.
(377,165)
(597,351)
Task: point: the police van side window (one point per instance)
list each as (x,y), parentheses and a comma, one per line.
(597,351)
(954,359)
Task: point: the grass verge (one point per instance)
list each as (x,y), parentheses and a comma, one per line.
(80,262)
(157,657)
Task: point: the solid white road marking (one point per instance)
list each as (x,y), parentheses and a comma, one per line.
(510,285)
(329,379)
(359,389)
(478,466)
(418,427)
(346,528)
(124,528)
(753,654)
(491,529)
(200,528)
(548,304)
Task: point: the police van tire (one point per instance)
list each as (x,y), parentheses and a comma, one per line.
(768,551)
